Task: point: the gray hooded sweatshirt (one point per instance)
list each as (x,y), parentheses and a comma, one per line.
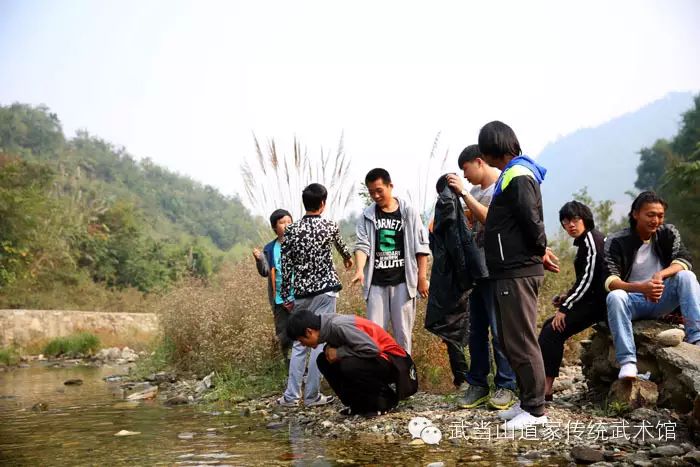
(415,242)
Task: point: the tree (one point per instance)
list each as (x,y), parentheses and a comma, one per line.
(652,165)
(602,212)
(672,168)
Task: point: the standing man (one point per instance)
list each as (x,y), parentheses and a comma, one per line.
(307,262)
(391,257)
(481,301)
(648,276)
(515,245)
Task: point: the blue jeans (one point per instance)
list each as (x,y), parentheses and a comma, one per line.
(298,361)
(482,316)
(681,289)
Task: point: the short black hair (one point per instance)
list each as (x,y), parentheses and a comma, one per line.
(313,195)
(376,174)
(496,139)
(300,320)
(469,154)
(645,197)
(278,214)
(577,209)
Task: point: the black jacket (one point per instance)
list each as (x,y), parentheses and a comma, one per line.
(590,276)
(621,249)
(456,267)
(514,240)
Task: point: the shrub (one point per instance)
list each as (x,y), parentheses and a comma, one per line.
(9,356)
(81,343)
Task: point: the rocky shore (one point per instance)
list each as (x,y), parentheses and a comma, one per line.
(581,429)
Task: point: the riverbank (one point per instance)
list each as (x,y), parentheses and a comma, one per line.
(582,428)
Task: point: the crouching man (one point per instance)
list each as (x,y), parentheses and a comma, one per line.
(361,361)
(648,277)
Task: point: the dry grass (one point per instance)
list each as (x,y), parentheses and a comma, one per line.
(273,180)
(82,294)
(227,325)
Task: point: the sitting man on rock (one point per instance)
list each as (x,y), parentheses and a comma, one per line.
(363,364)
(648,276)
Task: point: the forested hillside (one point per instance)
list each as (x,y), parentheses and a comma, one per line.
(604,158)
(81,209)
(672,168)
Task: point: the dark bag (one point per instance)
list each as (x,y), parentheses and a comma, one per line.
(406,375)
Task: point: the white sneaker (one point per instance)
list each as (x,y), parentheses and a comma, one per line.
(511,413)
(523,420)
(628,371)
(320,400)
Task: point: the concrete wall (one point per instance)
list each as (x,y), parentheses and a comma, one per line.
(22,327)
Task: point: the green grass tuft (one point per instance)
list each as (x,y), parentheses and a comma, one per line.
(9,356)
(83,343)
(235,384)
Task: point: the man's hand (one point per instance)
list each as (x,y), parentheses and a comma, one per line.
(653,289)
(256,254)
(455,182)
(559,321)
(558,300)
(358,277)
(331,354)
(423,286)
(289,306)
(550,261)
(348,263)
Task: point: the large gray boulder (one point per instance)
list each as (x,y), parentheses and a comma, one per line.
(675,369)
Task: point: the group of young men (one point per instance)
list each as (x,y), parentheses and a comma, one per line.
(646,269)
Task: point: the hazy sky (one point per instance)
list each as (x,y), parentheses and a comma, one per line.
(187,83)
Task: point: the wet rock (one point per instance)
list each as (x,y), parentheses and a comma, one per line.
(586,455)
(179,399)
(206,383)
(127,433)
(73,382)
(670,337)
(40,407)
(669,450)
(275,425)
(114,378)
(643,463)
(668,461)
(692,457)
(161,377)
(436,464)
(185,435)
(635,394)
(148,393)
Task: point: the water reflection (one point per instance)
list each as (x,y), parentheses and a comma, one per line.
(79,424)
